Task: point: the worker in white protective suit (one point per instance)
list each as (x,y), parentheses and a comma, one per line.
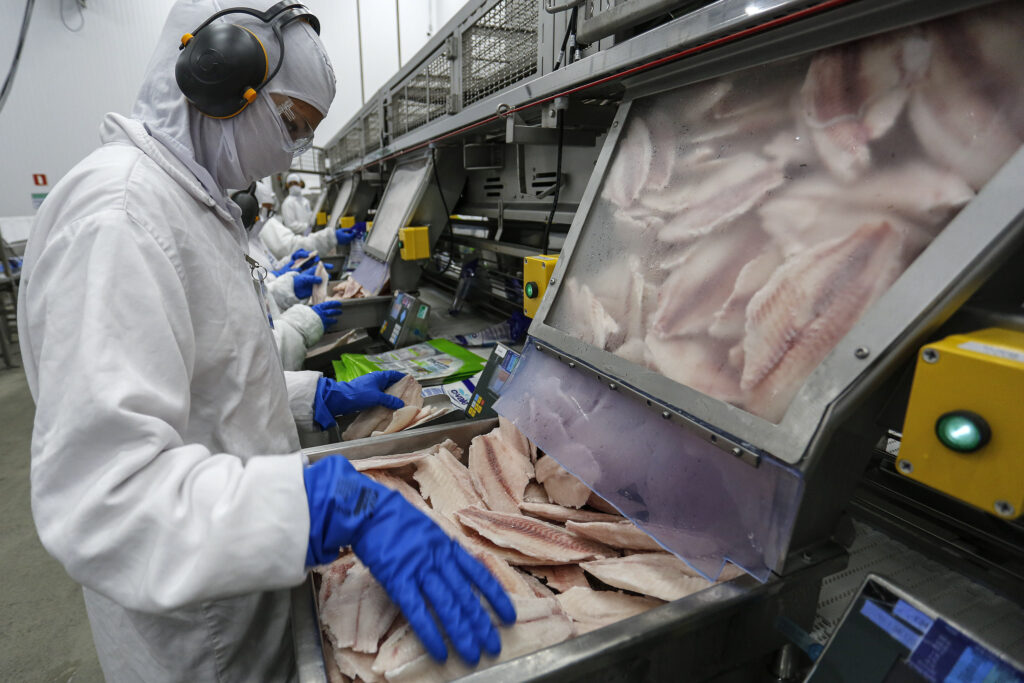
(278,242)
(297,325)
(167,476)
(296,212)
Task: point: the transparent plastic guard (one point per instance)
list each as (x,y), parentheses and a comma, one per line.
(394,206)
(371,274)
(344,193)
(746,223)
(693,498)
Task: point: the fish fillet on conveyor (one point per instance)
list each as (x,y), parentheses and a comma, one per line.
(561,486)
(560,513)
(532,537)
(540,623)
(358,612)
(516,439)
(590,609)
(535,493)
(624,534)
(446,483)
(401,647)
(357,665)
(561,577)
(334,674)
(659,575)
(379,417)
(537,589)
(499,472)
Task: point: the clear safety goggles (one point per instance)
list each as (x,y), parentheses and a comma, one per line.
(296,129)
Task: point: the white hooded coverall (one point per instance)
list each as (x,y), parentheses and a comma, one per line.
(296,213)
(166,473)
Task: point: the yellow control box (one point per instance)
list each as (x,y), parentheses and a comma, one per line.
(537,271)
(347,222)
(964,430)
(321,218)
(414,243)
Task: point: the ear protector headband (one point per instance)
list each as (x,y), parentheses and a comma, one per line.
(222,68)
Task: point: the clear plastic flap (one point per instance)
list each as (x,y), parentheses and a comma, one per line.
(394,206)
(744,224)
(695,499)
(371,274)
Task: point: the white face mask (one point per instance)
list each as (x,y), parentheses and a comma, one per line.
(295,191)
(236,162)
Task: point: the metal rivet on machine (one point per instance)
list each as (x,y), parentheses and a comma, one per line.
(862,352)
(930,356)
(1004,509)
(905,467)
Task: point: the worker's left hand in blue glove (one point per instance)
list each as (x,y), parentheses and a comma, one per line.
(310,269)
(339,398)
(420,567)
(303,285)
(294,262)
(328,312)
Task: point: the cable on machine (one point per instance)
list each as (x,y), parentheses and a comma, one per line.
(570,32)
(447,214)
(9,81)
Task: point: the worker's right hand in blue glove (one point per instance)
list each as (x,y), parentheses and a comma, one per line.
(303,285)
(345,235)
(424,571)
(328,312)
(366,391)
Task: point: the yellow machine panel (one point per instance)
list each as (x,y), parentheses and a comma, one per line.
(321,218)
(537,272)
(414,243)
(964,428)
(347,222)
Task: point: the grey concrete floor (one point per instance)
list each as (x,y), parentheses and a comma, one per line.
(44,633)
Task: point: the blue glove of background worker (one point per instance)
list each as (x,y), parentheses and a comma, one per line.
(303,285)
(345,235)
(418,565)
(328,312)
(338,398)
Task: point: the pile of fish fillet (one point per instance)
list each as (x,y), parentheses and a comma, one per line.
(348,288)
(380,420)
(747,222)
(569,562)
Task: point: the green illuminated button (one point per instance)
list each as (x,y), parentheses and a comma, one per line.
(531,290)
(962,431)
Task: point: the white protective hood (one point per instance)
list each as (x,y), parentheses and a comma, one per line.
(233,152)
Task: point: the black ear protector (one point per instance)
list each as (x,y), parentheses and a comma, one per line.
(250,206)
(222,68)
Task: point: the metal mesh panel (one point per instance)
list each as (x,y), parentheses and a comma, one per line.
(349,147)
(423,97)
(371,131)
(499,49)
(311,161)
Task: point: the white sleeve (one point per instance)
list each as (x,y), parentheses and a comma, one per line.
(296,330)
(120,497)
(282,290)
(282,242)
(301,393)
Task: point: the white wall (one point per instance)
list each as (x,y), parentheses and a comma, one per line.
(68,81)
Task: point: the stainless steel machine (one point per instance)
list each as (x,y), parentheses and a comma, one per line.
(787,312)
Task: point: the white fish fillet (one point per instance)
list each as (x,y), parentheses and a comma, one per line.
(378,417)
(698,362)
(319,294)
(400,419)
(560,513)
(659,575)
(535,493)
(334,674)
(561,577)
(632,163)
(598,503)
(516,439)
(561,486)
(809,304)
(730,319)
(401,647)
(357,665)
(359,612)
(591,609)
(955,111)
(396,483)
(540,623)
(538,589)
(623,534)
(854,93)
(532,537)
(499,471)
(446,483)
(589,320)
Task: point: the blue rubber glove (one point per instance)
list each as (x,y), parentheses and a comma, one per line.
(338,398)
(328,312)
(419,566)
(345,235)
(296,256)
(310,269)
(303,285)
